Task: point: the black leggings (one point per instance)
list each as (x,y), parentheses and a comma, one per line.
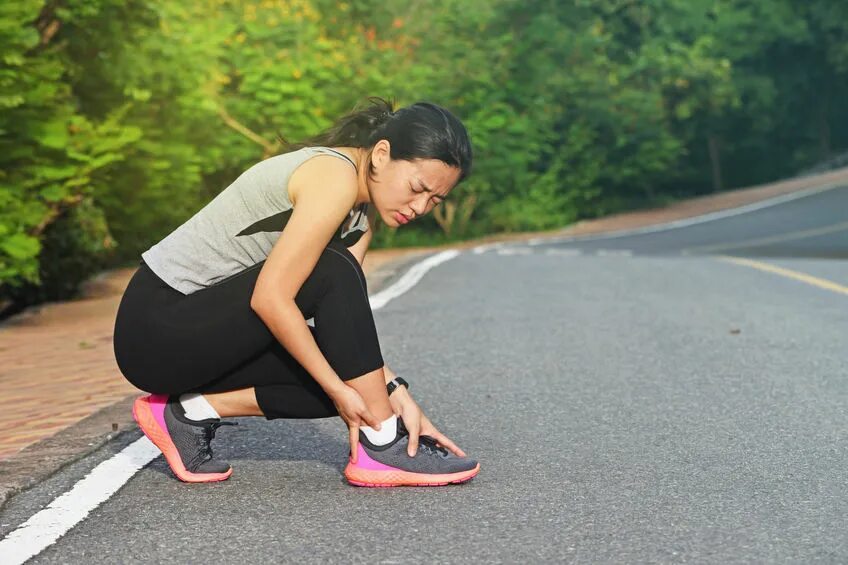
(167,342)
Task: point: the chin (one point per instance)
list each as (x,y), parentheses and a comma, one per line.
(391,221)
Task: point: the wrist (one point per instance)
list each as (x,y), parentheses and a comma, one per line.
(400,398)
(395,384)
(335,388)
(388,374)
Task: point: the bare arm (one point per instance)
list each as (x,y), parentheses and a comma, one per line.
(359,249)
(319,209)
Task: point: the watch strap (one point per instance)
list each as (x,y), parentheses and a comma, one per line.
(395,383)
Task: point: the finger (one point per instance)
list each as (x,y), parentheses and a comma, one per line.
(414,430)
(443,439)
(354,442)
(371,419)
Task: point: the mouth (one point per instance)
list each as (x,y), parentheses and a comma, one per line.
(401,218)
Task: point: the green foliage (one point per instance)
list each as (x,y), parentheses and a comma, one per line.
(122,118)
(72,249)
(51,153)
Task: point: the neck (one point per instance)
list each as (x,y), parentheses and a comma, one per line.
(360,157)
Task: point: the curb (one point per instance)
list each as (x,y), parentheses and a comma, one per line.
(38,461)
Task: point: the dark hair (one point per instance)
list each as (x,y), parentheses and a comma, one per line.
(419,131)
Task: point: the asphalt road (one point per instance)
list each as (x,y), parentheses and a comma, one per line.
(647,408)
(812,226)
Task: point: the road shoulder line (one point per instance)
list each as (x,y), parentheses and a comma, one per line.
(788,273)
(686,222)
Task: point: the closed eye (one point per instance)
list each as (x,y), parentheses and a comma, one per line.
(438,199)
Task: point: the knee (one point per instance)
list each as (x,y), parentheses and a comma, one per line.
(341,269)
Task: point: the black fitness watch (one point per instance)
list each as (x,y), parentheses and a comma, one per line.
(394,383)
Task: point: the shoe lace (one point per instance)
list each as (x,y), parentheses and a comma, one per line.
(204,440)
(429,446)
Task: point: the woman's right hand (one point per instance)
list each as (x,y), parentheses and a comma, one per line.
(355,413)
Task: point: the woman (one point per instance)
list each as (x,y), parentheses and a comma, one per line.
(215,321)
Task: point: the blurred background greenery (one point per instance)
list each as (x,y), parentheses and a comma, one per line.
(122,118)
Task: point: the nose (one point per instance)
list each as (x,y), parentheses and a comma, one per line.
(419,207)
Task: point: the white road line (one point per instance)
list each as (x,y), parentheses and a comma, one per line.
(613,253)
(567,251)
(686,222)
(410,278)
(514,251)
(487,246)
(48,525)
(45,527)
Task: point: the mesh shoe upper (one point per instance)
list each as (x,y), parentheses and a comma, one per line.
(430,458)
(193,439)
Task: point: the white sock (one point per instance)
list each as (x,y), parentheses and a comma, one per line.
(197,407)
(388,431)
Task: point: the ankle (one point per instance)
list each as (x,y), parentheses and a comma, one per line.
(196,407)
(383,412)
(387,432)
(235,403)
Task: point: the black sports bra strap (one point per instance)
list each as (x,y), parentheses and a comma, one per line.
(340,153)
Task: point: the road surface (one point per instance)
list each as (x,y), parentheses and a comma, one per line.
(637,398)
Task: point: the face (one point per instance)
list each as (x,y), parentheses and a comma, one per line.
(405,190)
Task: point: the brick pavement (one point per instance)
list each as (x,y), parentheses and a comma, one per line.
(56,360)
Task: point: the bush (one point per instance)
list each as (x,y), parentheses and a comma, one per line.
(74,246)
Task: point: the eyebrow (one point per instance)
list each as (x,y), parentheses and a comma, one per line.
(428,189)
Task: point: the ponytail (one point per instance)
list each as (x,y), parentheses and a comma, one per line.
(356,129)
(420,131)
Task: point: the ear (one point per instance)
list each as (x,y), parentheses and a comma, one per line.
(381,154)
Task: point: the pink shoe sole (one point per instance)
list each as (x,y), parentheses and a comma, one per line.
(391,477)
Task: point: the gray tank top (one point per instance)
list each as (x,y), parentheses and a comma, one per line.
(238,228)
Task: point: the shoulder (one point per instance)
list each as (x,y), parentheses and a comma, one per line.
(324,174)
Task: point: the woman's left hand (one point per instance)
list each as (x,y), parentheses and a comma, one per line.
(417,423)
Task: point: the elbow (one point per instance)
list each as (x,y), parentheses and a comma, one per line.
(257,304)
(269,297)
(262,304)
(261,296)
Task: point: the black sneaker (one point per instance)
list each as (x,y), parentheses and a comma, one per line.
(186,444)
(390,465)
